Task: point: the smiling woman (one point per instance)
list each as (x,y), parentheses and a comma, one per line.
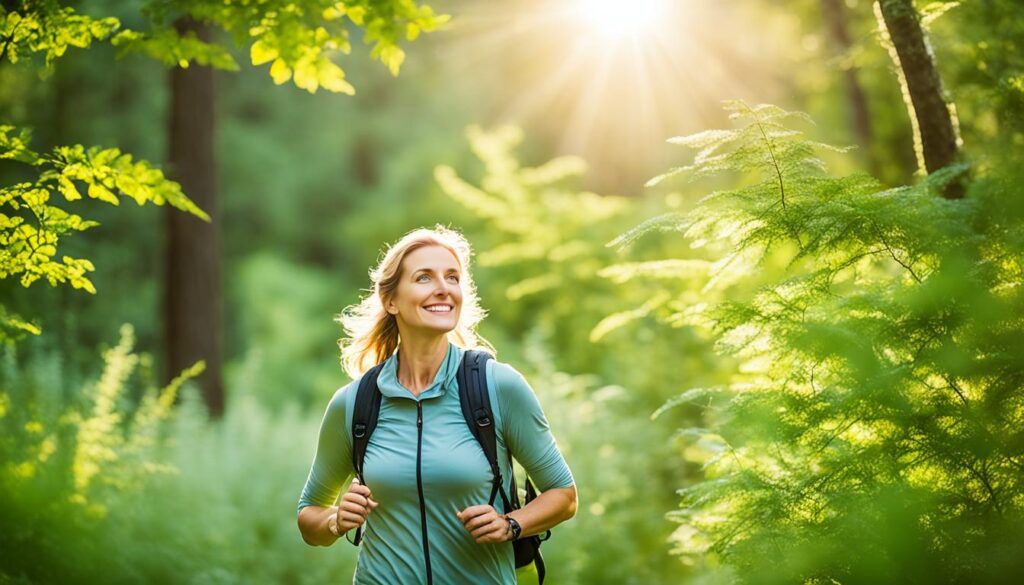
(430,298)
(421,473)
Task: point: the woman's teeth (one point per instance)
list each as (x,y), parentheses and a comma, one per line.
(439,309)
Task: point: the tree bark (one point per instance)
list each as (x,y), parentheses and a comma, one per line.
(834,16)
(192,286)
(934,125)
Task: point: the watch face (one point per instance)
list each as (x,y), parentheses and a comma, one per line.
(516,529)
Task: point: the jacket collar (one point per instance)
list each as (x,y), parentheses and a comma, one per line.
(445,379)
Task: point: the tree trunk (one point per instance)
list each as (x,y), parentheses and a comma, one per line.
(935,131)
(834,16)
(192,287)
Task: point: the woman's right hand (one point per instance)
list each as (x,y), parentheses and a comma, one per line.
(356,504)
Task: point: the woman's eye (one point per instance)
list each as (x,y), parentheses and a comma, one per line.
(453,278)
(422,278)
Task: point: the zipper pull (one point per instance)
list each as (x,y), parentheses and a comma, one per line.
(419,414)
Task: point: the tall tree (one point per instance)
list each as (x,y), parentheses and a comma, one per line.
(192,285)
(296,40)
(935,132)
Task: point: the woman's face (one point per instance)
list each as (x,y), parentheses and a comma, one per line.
(429,293)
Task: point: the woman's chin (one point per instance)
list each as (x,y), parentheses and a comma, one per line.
(439,327)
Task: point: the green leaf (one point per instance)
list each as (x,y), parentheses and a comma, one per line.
(67,188)
(356,14)
(261,53)
(98,191)
(280,72)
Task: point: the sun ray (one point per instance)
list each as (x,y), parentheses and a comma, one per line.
(610,81)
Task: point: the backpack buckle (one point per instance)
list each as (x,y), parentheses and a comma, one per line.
(482,420)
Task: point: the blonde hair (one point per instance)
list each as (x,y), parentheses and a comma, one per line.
(372,332)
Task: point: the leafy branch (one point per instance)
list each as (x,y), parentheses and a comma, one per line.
(31,226)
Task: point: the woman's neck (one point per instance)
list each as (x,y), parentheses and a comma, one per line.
(419,361)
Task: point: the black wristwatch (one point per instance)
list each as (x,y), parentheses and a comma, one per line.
(514,527)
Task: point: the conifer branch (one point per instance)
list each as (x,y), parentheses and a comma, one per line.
(892,253)
(845,427)
(778,171)
(853,260)
(775,162)
(955,388)
(982,476)
(921,348)
(1013,461)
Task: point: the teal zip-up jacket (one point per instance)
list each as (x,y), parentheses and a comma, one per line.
(454,473)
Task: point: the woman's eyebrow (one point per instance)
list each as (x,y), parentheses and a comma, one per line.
(447,270)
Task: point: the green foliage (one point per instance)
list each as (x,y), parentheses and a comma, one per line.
(291,348)
(174,49)
(110,484)
(31,227)
(980,45)
(66,455)
(871,432)
(101,441)
(299,39)
(46,27)
(617,461)
(539,236)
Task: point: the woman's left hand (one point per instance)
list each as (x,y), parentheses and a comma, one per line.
(485,524)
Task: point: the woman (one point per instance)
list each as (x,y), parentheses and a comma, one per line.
(428,482)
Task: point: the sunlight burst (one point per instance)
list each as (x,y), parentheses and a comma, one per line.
(616,19)
(610,80)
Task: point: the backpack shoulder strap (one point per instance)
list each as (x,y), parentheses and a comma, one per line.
(476,408)
(364,421)
(364,417)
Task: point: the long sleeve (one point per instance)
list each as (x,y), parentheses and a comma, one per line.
(332,464)
(527,432)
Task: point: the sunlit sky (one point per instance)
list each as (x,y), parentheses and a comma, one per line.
(611,81)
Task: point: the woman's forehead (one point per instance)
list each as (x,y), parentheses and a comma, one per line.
(435,258)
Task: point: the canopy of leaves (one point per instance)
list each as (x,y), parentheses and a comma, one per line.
(299,39)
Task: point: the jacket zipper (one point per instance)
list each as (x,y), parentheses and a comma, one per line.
(419,487)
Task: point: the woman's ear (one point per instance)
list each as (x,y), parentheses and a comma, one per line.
(389,306)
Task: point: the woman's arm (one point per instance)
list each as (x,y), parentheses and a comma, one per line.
(528,437)
(546,511)
(332,465)
(314,524)
(322,525)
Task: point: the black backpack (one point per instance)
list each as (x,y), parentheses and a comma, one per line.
(476,408)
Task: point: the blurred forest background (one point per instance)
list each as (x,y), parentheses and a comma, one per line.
(769,358)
